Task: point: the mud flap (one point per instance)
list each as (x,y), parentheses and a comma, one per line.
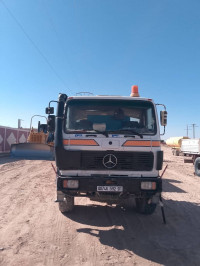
(60,196)
(32,151)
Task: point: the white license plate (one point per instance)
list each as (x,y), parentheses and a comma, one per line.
(109,188)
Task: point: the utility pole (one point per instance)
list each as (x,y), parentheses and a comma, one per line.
(19,123)
(187,129)
(193,126)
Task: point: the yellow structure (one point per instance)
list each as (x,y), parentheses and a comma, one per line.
(37,137)
(175,142)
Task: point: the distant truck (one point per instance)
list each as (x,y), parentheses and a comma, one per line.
(108,148)
(175,144)
(191,149)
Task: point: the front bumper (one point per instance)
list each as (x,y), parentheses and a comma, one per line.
(88,185)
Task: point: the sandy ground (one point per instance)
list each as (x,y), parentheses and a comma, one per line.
(34,232)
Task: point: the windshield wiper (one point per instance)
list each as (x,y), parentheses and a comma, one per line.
(129,130)
(105,133)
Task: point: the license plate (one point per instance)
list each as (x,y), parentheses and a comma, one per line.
(109,188)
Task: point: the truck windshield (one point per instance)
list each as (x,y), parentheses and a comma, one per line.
(115,116)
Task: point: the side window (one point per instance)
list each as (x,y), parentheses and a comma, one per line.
(150,119)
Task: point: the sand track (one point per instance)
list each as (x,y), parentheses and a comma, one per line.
(34,232)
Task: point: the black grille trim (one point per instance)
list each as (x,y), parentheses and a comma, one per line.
(127,161)
(93,160)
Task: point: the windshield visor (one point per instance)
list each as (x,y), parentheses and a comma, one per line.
(110,116)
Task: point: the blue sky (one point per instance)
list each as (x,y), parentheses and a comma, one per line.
(104,47)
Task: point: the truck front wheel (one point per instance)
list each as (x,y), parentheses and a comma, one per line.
(67,205)
(142,206)
(197,166)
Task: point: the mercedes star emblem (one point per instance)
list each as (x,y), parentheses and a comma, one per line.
(109,161)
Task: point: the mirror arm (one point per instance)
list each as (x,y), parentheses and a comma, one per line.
(163,132)
(52,102)
(160,104)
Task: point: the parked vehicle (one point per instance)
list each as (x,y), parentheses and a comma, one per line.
(108,148)
(191,149)
(39,144)
(175,144)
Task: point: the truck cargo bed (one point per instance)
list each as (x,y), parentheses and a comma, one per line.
(190,146)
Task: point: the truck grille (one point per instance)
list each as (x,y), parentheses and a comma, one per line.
(129,161)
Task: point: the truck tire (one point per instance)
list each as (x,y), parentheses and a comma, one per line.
(142,206)
(177,152)
(67,205)
(197,166)
(128,203)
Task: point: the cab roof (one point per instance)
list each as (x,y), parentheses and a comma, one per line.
(110,97)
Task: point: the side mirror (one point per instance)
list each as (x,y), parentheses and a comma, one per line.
(49,110)
(51,123)
(163,118)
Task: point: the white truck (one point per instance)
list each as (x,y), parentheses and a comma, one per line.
(191,149)
(108,148)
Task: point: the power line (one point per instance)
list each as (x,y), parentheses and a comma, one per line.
(33,43)
(59,40)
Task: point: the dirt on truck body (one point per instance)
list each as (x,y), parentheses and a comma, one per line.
(34,232)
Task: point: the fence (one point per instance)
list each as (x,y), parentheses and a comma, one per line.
(10,136)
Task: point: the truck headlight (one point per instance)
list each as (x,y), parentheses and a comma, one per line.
(148,185)
(70,183)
